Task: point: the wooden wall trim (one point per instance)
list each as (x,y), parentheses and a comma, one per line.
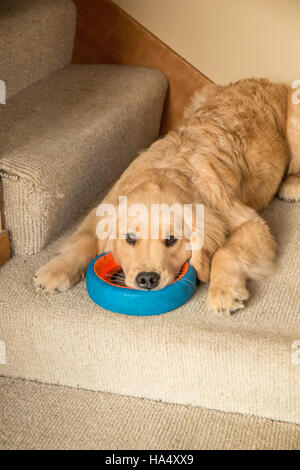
(4,238)
(4,247)
(2,221)
(107,34)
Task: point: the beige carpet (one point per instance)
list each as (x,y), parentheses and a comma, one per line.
(38,416)
(66,138)
(36,38)
(242,363)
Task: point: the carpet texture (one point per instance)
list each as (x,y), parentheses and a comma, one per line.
(66,138)
(36,38)
(242,363)
(37,416)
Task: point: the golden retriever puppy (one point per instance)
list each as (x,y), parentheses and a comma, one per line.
(237,147)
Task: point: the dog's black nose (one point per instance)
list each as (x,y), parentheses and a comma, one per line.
(147,280)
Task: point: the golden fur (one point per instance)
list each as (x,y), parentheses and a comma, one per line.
(231,153)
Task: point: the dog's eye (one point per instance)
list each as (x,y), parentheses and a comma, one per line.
(170,241)
(131,238)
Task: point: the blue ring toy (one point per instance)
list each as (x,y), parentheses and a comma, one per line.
(128,301)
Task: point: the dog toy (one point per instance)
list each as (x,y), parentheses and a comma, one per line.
(105,290)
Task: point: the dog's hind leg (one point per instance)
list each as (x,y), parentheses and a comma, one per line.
(290,187)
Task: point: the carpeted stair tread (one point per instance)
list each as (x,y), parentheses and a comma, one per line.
(36,38)
(67,137)
(39,416)
(241,363)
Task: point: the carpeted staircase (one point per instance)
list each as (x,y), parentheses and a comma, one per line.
(67,131)
(66,134)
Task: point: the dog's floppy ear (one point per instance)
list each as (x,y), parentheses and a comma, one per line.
(214,235)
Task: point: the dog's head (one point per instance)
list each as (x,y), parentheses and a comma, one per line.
(159,226)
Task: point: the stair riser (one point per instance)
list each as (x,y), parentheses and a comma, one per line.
(240,377)
(23,23)
(34,217)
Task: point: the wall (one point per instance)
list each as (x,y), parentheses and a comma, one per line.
(227,39)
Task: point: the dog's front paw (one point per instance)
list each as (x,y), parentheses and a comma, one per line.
(58,275)
(228,297)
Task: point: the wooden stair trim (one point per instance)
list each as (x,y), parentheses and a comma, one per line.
(4,237)
(4,247)
(2,220)
(107,34)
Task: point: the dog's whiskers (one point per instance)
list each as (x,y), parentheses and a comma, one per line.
(116,278)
